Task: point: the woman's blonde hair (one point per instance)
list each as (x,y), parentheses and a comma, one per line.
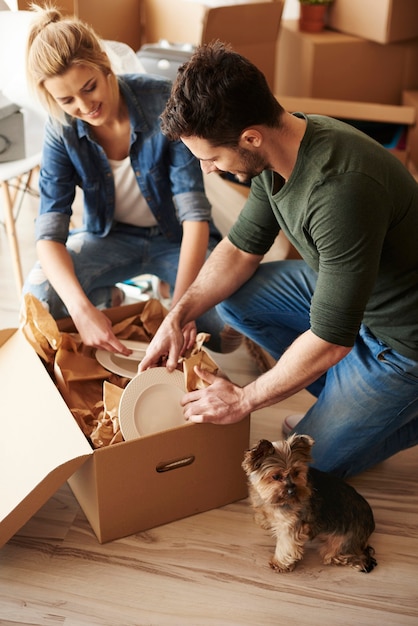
(57,43)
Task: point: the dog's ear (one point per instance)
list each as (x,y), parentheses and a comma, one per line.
(301,445)
(254,457)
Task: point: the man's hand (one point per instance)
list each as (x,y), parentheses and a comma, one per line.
(221,402)
(169,343)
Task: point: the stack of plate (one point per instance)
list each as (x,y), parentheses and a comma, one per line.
(126,366)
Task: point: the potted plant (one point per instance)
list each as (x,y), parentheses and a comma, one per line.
(312,15)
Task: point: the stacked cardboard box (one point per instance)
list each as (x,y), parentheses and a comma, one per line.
(118,21)
(410,99)
(368,54)
(383,21)
(339,66)
(382,116)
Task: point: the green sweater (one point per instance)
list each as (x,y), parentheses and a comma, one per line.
(351,210)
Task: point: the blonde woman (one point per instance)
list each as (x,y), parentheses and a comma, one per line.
(145,209)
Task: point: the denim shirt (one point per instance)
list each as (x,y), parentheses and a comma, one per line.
(169,176)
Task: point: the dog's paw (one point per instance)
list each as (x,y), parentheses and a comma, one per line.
(369,562)
(280,568)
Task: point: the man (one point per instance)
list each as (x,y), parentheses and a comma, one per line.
(342,322)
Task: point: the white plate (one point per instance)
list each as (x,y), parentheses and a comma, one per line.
(151,402)
(123,365)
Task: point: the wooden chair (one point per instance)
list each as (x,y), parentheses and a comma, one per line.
(16,175)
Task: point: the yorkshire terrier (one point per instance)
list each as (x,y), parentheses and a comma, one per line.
(298,503)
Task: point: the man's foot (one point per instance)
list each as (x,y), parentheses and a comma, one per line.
(262,358)
(290,422)
(118,296)
(230,339)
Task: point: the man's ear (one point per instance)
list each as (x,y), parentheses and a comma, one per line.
(251,138)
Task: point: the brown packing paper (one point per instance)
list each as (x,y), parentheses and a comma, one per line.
(78,374)
(142,327)
(201,338)
(202,360)
(39,328)
(107,430)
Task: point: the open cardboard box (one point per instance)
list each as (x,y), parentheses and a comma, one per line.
(402,115)
(251,27)
(124,488)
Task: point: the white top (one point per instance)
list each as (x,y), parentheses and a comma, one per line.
(130,205)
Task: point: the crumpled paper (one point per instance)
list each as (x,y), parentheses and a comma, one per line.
(198,356)
(39,328)
(91,392)
(107,430)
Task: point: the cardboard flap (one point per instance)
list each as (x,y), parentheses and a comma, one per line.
(388,113)
(41,443)
(243,24)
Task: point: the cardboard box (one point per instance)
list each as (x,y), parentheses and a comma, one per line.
(250,27)
(118,21)
(402,116)
(410,99)
(337,66)
(12,133)
(124,488)
(383,21)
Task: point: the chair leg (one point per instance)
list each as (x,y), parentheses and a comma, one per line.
(12,236)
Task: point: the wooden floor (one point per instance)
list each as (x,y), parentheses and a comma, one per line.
(210,569)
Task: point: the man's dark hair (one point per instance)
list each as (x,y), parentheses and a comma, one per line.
(216,95)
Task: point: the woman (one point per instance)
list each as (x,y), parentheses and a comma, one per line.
(145,209)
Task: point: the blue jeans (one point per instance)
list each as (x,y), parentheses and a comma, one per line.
(367,404)
(101,262)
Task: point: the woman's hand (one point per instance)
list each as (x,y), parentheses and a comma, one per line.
(95,330)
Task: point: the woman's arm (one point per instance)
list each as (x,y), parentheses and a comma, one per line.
(94,327)
(192,256)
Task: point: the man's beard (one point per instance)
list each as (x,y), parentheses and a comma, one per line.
(253,163)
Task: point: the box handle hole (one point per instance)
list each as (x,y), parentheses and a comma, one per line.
(172,465)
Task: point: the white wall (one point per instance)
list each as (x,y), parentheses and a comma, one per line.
(291,10)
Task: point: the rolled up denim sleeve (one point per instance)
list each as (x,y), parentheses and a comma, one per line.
(57,184)
(187,185)
(193,207)
(52,226)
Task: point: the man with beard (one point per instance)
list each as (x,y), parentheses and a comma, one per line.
(343,321)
